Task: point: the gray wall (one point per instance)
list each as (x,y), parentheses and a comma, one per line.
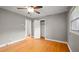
(73,41)
(11,26)
(73,37)
(56,27)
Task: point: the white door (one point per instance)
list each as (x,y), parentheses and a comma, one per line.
(27,27)
(42,27)
(36,28)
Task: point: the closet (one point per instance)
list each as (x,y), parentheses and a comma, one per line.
(35,28)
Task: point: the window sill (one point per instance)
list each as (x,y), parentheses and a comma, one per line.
(75,32)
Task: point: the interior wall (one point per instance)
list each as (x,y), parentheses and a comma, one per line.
(73,37)
(12,26)
(56,27)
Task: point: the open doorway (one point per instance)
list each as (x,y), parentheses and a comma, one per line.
(39,28)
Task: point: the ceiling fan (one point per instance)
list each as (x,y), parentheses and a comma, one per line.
(31,9)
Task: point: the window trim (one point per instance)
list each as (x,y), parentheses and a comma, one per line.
(72,22)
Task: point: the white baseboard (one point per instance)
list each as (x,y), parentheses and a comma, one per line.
(3,45)
(58,41)
(69,47)
(15,41)
(62,42)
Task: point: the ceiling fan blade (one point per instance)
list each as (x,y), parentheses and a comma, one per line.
(37,11)
(21,8)
(37,7)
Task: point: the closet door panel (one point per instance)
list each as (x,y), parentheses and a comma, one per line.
(37,28)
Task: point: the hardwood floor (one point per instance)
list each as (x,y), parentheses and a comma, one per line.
(35,45)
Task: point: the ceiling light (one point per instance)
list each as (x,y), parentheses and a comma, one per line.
(30,9)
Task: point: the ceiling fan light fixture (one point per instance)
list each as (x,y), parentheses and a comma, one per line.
(30,9)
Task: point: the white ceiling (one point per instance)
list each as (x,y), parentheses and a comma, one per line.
(46,10)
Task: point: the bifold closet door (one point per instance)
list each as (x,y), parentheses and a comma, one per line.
(28,27)
(42,28)
(36,28)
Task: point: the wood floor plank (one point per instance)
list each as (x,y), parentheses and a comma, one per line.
(36,45)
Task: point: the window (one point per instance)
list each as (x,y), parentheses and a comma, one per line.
(74,19)
(75,24)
